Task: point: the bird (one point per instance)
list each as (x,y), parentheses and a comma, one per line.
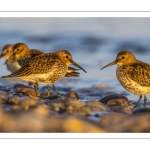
(22,54)
(46,68)
(133,74)
(7,51)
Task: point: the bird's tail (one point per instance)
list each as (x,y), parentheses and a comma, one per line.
(8,76)
(5,76)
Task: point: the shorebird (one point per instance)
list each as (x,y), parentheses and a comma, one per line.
(7,51)
(133,74)
(22,54)
(45,69)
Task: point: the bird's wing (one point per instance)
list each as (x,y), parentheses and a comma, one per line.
(31,54)
(72,74)
(38,65)
(35,52)
(140,73)
(71,69)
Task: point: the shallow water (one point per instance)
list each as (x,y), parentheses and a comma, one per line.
(93,42)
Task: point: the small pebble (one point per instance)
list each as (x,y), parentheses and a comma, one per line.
(98,104)
(115,100)
(75,103)
(3,98)
(27,102)
(42,109)
(94,108)
(27,90)
(56,105)
(84,111)
(72,95)
(13,99)
(122,109)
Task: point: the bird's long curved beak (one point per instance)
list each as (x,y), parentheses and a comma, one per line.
(8,59)
(1,55)
(74,63)
(110,64)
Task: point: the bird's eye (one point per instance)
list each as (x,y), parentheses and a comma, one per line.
(66,56)
(17,50)
(123,57)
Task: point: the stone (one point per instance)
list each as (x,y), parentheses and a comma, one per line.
(3,98)
(27,102)
(27,90)
(84,111)
(72,95)
(115,97)
(56,105)
(13,99)
(98,104)
(42,109)
(94,108)
(122,109)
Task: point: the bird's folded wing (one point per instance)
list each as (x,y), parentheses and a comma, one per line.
(140,73)
(38,65)
(35,52)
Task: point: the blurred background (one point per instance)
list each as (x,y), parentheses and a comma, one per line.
(93,43)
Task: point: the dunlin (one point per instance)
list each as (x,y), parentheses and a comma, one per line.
(134,75)
(22,54)
(45,68)
(7,51)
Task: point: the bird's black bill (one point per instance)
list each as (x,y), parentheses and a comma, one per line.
(78,66)
(10,58)
(1,55)
(110,64)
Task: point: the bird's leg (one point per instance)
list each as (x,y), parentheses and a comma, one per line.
(48,87)
(36,88)
(55,89)
(145,99)
(138,101)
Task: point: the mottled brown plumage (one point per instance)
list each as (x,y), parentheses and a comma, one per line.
(45,68)
(134,75)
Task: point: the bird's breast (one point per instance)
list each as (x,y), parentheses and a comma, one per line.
(124,77)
